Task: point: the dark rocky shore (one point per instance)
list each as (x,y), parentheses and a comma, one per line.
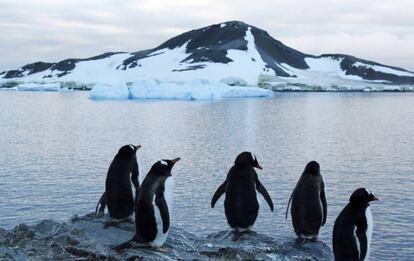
(82,238)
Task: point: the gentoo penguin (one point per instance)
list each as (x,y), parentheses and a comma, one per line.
(353,228)
(309,208)
(118,193)
(153,207)
(240,204)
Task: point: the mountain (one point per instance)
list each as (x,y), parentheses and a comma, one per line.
(229,50)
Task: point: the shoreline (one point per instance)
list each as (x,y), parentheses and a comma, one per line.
(82,237)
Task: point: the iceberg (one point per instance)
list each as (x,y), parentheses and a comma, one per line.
(109,92)
(151,89)
(197,89)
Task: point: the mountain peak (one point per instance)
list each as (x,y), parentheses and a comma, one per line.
(228,49)
(233,23)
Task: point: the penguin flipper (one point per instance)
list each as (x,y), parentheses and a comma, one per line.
(102,202)
(262,190)
(163,207)
(220,191)
(290,200)
(324,204)
(362,237)
(134,176)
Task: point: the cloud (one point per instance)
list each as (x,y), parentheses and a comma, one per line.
(51,30)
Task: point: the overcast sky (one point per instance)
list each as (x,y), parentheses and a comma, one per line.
(51,30)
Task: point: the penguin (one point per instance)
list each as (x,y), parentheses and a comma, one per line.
(353,228)
(240,204)
(309,207)
(118,193)
(153,207)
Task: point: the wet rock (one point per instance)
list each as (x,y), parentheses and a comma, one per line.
(84,238)
(255,246)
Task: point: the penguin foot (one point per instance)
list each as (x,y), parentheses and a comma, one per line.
(236,235)
(110,224)
(314,239)
(99,214)
(162,249)
(130,221)
(299,242)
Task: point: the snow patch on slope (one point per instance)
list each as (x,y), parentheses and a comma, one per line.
(383,69)
(324,73)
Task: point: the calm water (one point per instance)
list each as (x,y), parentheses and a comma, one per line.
(55,149)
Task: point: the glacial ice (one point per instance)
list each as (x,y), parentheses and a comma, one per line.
(198,89)
(109,92)
(39,87)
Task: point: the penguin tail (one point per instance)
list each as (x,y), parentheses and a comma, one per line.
(102,202)
(96,209)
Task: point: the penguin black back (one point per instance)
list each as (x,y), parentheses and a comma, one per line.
(118,194)
(309,207)
(153,205)
(240,204)
(353,228)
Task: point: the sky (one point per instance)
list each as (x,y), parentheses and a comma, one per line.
(52,30)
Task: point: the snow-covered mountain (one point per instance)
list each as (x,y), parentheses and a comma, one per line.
(230,50)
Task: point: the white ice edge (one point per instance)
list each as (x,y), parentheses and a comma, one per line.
(198,89)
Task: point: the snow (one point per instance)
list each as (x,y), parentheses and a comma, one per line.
(324,73)
(223,25)
(167,66)
(384,69)
(329,65)
(324,64)
(198,89)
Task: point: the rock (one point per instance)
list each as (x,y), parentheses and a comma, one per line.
(256,246)
(84,238)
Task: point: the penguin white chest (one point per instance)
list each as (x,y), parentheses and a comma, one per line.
(370,224)
(168,193)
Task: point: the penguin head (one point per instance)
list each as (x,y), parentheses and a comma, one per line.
(312,168)
(128,151)
(164,166)
(362,196)
(247,158)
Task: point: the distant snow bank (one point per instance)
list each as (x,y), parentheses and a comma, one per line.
(315,80)
(199,89)
(47,87)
